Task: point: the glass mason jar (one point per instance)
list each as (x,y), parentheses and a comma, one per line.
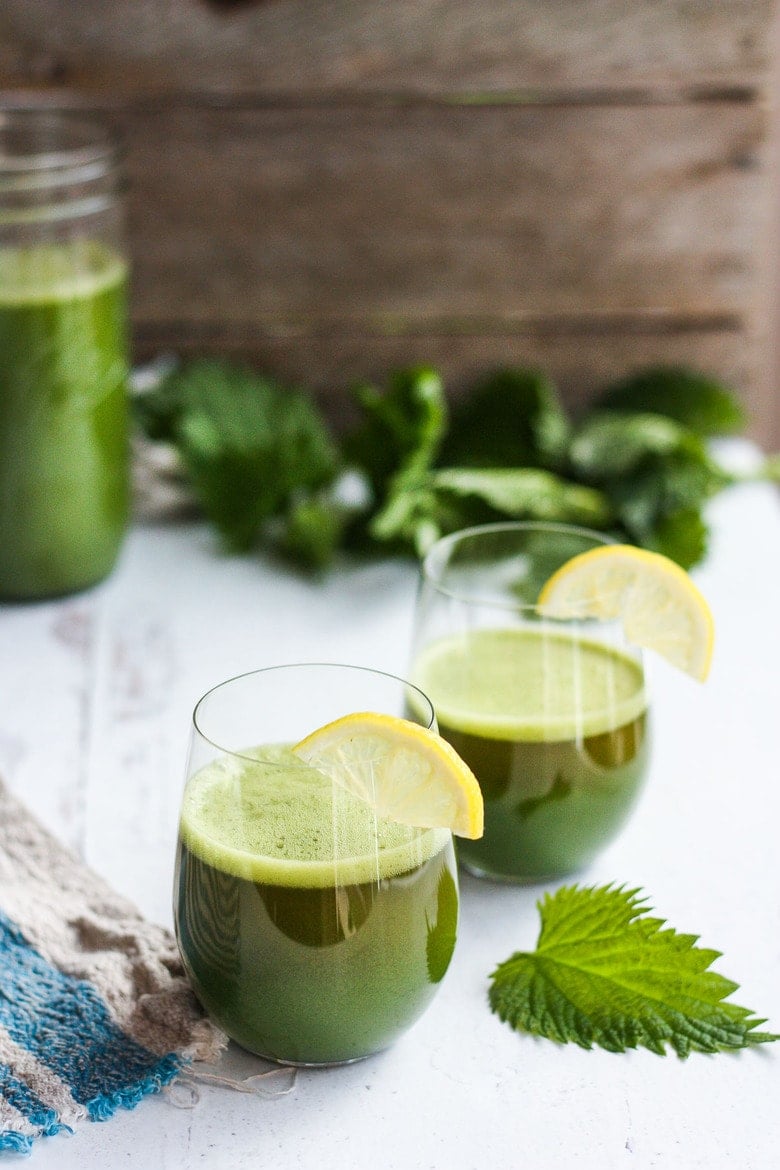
(64,455)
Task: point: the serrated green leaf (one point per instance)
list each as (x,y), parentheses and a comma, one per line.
(529,492)
(657,476)
(311,531)
(694,399)
(683,536)
(610,445)
(421,507)
(401,429)
(604,973)
(414,515)
(512,419)
(155,411)
(247,443)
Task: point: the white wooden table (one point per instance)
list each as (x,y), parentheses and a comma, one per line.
(95,699)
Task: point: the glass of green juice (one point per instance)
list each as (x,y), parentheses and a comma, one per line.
(550,714)
(64,459)
(313,931)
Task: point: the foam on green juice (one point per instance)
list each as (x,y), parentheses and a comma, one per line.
(529,684)
(54,274)
(267,817)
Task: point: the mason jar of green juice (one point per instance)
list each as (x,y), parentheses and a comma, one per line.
(64,465)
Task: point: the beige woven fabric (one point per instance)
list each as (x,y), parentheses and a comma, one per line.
(76,921)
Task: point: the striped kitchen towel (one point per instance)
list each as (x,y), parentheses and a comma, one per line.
(95,1011)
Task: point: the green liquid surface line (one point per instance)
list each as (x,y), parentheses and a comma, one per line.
(528,684)
(283,823)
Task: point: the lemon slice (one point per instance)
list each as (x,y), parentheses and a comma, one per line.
(661,608)
(405,772)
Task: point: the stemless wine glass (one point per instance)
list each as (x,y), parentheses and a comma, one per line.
(314,932)
(551,714)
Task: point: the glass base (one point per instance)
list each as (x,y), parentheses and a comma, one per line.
(285,1063)
(317,1063)
(519,879)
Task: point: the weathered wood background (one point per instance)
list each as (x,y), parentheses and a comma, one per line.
(331,190)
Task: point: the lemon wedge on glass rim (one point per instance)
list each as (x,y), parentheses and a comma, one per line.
(660,607)
(406,772)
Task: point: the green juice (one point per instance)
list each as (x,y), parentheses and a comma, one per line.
(311,933)
(63,417)
(555,728)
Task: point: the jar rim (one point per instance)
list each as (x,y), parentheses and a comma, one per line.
(48,148)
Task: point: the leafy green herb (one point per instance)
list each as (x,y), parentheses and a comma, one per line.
(422,506)
(657,474)
(604,973)
(681,535)
(512,419)
(527,492)
(610,445)
(250,446)
(698,402)
(265,467)
(402,429)
(312,529)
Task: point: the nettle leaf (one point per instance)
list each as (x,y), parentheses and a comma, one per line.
(402,428)
(410,502)
(414,515)
(247,443)
(312,530)
(156,411)
(697,401)
(683,536)
(512,419)
(604,973)
(660,504)
(541,495)
(420,508)
(610,445)
(657,475)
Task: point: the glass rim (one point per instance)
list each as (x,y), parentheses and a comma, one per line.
(436,582)
(291,666)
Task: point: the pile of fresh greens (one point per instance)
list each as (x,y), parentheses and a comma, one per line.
(267,470)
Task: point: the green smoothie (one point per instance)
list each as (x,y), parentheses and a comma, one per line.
(311,933)
(63,417)
(554,726)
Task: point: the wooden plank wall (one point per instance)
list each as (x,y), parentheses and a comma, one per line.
(332,190)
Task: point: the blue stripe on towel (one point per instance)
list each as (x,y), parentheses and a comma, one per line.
(26,1102)
(65,1024)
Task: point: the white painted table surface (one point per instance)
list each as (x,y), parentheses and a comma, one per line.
(96,692)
